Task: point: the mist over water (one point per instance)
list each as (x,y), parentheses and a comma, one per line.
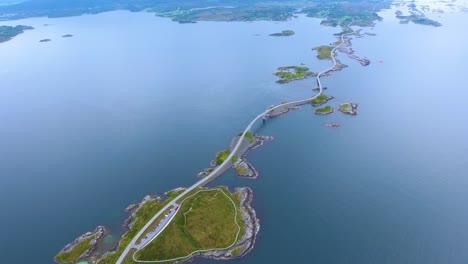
(134,104)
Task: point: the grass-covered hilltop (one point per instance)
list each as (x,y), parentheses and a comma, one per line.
(292,73)
(209,219)
(323,52)
(284,33)
(9,32)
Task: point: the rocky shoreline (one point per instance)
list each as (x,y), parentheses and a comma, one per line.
(98,233)
(242,167)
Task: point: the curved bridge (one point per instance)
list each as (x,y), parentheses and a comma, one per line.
(219,168)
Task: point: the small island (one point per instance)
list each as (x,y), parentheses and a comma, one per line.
(292,73)
(349,108)
(324,110)
(238,162)
(321,99)
(332,125)
(227,217)
(67,36)
(9,32)
(284,33)
(45,40)
(323,52)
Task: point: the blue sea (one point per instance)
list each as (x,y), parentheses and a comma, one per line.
(134,104)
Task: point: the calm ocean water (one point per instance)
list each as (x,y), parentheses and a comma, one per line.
(134,104)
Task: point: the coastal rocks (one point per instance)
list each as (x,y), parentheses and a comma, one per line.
(133,208)
(246,170)
(349,108)
(97,234)
(332,125)
(259,141)
(240,164)
(247,241)
(348,50)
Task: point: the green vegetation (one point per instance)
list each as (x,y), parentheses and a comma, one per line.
(204,221)
(346,107)
(236,252)
(324,110)
(76,252)
(248,135)
(234,159)
(323,52)
(333,13)
(284,33)
(241,170)
(45,40)
(9,32)
(291,73)
(341,13)
(321,99)
(143,215)
(222,156)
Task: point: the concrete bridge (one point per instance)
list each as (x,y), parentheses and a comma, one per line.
(226,164)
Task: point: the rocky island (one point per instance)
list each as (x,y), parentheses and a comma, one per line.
(284,33)
(67,36)
(349,108)
(239,163)
(45,40)
(292,73)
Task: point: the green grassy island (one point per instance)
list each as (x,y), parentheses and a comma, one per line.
(348,108)
(321,99)
(284,33)
(323,52)
(9,32)
(209,219)
(324,110)
(292,73)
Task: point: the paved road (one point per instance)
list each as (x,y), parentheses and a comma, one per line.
(213,174)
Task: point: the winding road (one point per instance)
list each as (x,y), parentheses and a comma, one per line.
(213,174)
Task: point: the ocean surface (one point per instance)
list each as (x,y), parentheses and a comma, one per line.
(134,104)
